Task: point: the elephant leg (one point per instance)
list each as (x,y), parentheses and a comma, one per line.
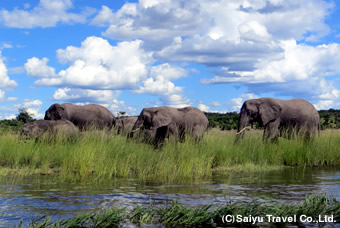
(160,136)
(181,134)
(272,132)
(198,132)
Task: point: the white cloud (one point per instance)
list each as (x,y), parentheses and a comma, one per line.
(5,81)
(326,104)
(203,107)
(255,42)
(81,95)
(297,62)
(329,99)
(2,95)
(119,106)
(251,21)
(38,68)
(159,84)
(97,69)
(10,117)
(98,65)
(236,103)
(12,98)
(47,14)
(31,106)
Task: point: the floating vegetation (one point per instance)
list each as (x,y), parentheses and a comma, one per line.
(313,210)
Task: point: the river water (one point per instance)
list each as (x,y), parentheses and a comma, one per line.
(31,197)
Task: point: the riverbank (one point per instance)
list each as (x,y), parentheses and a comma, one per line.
(99,155)
(313,210)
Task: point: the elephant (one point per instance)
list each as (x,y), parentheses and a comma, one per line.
(52,128)
(124,125)
(83,116)
(279,118)
(157,123)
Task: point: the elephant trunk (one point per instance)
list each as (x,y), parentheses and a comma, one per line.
(242,124)
(136,128)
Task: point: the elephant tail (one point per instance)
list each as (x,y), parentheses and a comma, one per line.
(319,129)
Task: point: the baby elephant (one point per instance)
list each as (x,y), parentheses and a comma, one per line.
(49,128)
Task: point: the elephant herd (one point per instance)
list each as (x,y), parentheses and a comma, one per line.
(284,118)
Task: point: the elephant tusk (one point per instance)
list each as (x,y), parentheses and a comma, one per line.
(241,131)
(133,131)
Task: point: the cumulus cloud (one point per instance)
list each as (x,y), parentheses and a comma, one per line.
(5,82)
(119,106)
(46,14)
(99,65)
(12,98)
(203,107)
(251,21)
(297,62)
(32,107)
(236,103)
(39,68)
(253,44)
(85,95)
(159,84)
(2,95)
(300,71)
(98,71)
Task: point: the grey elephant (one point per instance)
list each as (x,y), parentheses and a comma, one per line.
(124,125)
(83,116)
(285,118)
(49,128)
(159,122)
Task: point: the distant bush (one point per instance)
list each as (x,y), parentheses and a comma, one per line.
(15,124)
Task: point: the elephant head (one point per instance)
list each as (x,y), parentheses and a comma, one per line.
(151,122)
(262,111)
(55,112)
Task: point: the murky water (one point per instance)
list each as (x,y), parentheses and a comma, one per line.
(29,198)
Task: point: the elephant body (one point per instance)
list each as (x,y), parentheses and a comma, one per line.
(84,117)
(285,118)
(38,128)
(124,125)
(159,122)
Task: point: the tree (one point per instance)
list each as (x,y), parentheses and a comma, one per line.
(24,116)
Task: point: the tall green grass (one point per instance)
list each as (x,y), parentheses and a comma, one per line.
(97,154)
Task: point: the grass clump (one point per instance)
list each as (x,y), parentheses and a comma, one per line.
(101,155)
(177,215)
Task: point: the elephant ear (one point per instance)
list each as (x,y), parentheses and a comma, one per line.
(269,111)
(60,110)
(160,119)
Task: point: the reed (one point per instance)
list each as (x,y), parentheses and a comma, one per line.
(101,155)
(178,215)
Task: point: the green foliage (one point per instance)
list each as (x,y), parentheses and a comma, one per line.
(111,217)
(24,116)
(10,125)
(15,125)
(227,121)
(330,119)
(177,215)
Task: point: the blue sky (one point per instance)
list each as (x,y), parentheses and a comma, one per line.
(127,55)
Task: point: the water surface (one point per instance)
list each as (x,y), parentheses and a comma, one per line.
(31,197)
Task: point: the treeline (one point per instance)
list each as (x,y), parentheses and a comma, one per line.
(329,119)
(16,124)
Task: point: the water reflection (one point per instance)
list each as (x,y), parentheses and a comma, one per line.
(29,198)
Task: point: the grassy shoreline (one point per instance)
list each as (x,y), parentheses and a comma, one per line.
(97,154)
(177,215)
